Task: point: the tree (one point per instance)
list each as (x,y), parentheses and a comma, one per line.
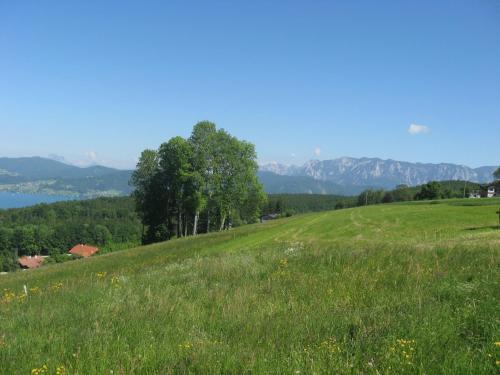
(431,190)
(235,167)
(100,235)
(177,179)
(202,140)
(370,196)
(496,174)
(212,172)
(146,199)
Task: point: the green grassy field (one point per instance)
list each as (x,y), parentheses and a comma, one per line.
(388,289)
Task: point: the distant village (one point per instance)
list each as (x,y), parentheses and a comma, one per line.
(490,192)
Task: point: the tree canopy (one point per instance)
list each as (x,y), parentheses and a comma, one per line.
(206,182)
(496,174)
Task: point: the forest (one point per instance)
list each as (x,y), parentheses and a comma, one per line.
(53,229)
(430,191)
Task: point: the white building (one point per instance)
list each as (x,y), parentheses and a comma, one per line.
(491,192)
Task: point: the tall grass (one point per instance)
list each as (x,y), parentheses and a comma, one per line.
(389,289)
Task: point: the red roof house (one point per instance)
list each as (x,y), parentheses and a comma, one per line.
(83,250)
(30,261)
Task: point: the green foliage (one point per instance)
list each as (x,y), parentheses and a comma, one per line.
(290,204)
(390,289)
(370,196)
(207,181)
(431,190)
(496,174)
(55,228)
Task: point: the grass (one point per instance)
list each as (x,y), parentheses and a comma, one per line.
(389,289)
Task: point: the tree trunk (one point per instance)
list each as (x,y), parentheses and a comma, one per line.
(185,226)
(223,221)
(208,220)
(195,224)
(179,224)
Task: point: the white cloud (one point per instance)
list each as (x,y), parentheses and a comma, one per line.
(317,151)
(418,129)
(91,156)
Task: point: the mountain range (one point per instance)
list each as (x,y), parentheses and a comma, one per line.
(47,176)
(378,173)
(345,176)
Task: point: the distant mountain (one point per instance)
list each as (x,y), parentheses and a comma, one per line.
(41,175)
(376,172)
(344,176)
(280,184)
(37,168)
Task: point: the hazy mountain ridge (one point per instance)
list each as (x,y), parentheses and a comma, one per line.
(47,176)
(283,184)
(380,173)
(344,176)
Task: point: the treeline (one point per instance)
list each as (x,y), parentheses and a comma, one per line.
(430,191)
(204,183)
(44,229)
(291,204)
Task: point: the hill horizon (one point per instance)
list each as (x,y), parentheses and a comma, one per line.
(344,176)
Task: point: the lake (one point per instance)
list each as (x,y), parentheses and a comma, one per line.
(13,200)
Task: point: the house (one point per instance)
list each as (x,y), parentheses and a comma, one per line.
(28,262)
(267,217)
(475,194)
(83,250)
(491,192)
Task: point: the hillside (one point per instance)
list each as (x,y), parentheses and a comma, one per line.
(37,168)
(400,288)
(380,173)
(45,176)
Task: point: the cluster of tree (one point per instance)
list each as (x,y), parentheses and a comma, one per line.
(51,229)
(430,191)
(291,204)
(203,183)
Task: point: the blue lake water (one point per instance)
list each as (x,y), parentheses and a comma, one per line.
(13,200)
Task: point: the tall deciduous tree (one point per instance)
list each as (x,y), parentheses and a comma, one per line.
(144,179)
(212,173)
(202,140)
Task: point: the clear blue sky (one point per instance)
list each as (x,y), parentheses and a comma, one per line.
(102,80)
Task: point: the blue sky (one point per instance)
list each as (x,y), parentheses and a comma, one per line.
(99,81)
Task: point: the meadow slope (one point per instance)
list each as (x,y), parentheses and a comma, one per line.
(391,289)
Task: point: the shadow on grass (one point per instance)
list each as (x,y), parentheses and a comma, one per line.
(497,227)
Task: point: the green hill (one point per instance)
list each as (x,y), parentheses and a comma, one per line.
(391,289)
(36,175)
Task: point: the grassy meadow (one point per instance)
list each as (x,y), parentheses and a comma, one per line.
(387,289)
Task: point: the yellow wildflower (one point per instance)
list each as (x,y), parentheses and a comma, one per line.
(35,290)
(56,286)
(185,346)
(330,345)
(115,280)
